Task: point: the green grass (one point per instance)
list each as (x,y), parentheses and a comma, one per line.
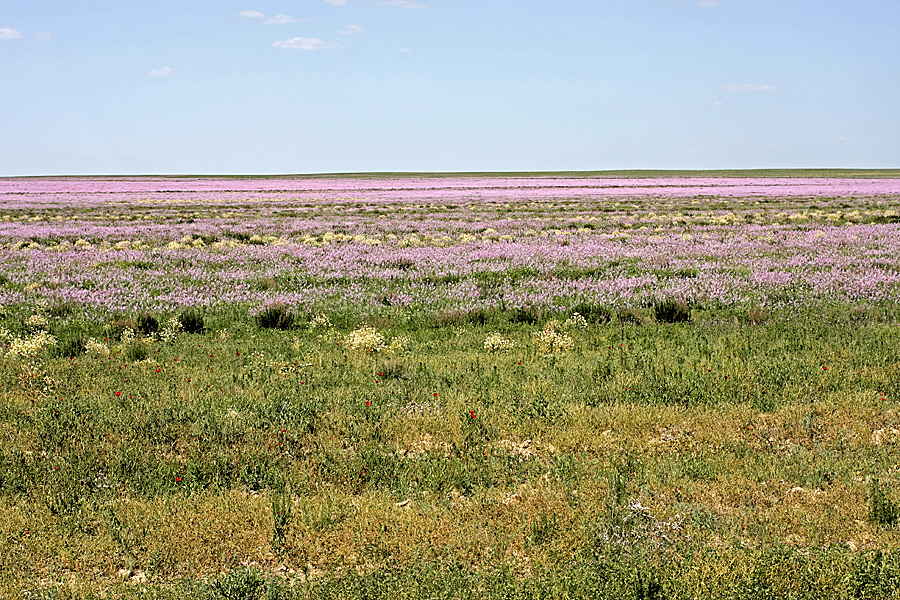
(716,458)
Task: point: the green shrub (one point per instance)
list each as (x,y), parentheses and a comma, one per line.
(137,351)
(882,510)
(593,313)
(275,316)
(671,311)
(71,345)
(192,321)
(147,324)
(245,583)
(528,315)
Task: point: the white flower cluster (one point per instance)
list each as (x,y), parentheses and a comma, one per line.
(576,321)
(94,347)
(398,344)
(127,335)
(36,322)
(170,331)
(320,321)
(497,343)
(25,347)
(367,339)
(364,339)
(552,339)
(2,311)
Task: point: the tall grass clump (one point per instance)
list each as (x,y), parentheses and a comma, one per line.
(882,510)
(671,311)
(147,324)
(275,316)
(191,321)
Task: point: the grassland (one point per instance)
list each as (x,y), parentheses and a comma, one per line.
(655,448)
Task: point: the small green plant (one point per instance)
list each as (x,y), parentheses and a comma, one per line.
(71,345)
(594,313)
(191,321)
(245,583)
(630,315)
(281,517)
(275,316)
(671,311)
(136,351)
(882,510)
(528,315)
(541,530)
(117,327)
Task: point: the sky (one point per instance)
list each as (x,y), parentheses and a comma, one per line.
(324,86)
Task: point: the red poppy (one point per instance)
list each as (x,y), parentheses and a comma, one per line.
(118,393)
(178,480)
(368,403)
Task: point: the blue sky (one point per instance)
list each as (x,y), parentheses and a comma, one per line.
(303,86)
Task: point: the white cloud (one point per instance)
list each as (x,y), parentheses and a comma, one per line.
(280,20)
(706,3)
(161,72)
(302,43)
(351,29)
(401,3)
(43,36)
(336,2)
(8,33)
(718,104)
(749,88)
(251,14)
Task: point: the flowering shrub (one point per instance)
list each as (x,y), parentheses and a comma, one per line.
(552,339)
(367,339)
(25,347)
(320,321)
(36,322)
(171,330)
(497,343)
(94,347)
(576,321)
(398,344)
(364,339)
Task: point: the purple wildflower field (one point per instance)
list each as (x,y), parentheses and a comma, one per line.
(445,243)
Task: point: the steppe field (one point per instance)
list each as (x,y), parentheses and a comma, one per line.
(565,385)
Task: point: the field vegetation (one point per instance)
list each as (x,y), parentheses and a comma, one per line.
(472,388)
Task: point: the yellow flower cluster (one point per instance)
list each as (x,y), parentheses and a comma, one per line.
(364,339)
(497,343)
(94,347)
(552,339)
(25,347)
(367,339)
